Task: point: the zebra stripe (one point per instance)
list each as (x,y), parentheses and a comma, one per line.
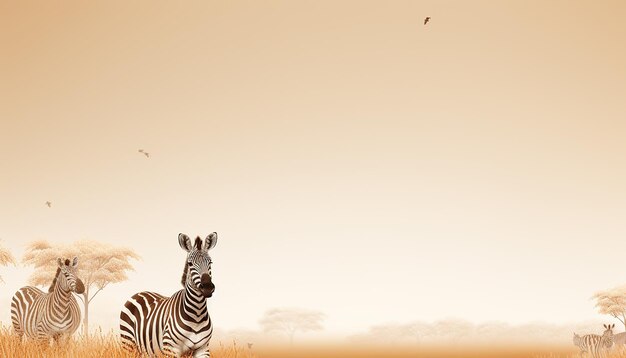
(55,314)
(594,344)
(178,325)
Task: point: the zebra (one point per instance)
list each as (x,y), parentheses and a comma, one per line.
(619,339)
(178,325)
(55,314)
(595,344)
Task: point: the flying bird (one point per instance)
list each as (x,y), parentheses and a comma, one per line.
(144,153)
(426,20)
(250,345)
(49,204)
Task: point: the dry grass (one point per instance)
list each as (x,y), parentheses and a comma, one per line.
(432,352)
(96,346)
(107,345)
(392,352)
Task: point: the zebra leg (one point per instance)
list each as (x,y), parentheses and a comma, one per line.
(129,346)
(18,330)
(62,339)
(42,341)
(170,351)
(19,333)
(202,352)
(41,337)
(170,348)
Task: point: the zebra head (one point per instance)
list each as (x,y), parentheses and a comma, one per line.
(608,334)
(66,276)
(197,272)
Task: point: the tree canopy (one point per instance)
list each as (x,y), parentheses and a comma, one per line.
(6,258)
(612,302)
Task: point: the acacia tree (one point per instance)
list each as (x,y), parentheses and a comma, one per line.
(418,330)
(291,320)
(99,265)
(452,330)
(612,302)
(5,258)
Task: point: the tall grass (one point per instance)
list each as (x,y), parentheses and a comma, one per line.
(96,346)
(107,345)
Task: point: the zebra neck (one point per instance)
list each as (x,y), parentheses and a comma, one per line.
(61,298)
(194,304)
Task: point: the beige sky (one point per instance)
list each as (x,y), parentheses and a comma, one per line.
(352,160)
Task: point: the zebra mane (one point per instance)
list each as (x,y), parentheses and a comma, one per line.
(54,282)
(183,281)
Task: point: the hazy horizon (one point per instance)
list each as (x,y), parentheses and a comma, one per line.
(352,160)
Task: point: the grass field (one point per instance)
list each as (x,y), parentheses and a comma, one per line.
(95,346)
(108,346)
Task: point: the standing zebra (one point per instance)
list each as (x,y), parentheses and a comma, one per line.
(595,344)
(54,314)
(177,325)
(619,339)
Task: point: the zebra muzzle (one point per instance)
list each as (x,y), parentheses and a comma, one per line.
(80,287)
(206,286)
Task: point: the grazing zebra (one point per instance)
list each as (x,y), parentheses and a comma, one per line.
(595,344)
(55,314)
(180,324)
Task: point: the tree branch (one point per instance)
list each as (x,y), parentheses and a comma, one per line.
(100,267)
(94,295)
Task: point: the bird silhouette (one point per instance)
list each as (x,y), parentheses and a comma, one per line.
(49,204)
(426,20)
(250,345)
(144,153)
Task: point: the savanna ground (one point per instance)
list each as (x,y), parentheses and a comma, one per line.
(101,345)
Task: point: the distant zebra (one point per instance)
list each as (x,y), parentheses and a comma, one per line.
(619,343)
(594,344)
(619,339)
(177,325)
(55,314)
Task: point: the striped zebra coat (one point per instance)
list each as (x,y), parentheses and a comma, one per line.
(54,314)
(178,325)
(594,344)
(619,339)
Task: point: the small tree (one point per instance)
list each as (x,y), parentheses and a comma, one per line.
(452,330)
(99,265)
(5,258)
(418,330)
(612,302)
(291,320)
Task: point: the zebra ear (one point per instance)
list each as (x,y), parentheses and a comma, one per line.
(75,261)
(184,242)
(210,242)
(605,327)
(60,262)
